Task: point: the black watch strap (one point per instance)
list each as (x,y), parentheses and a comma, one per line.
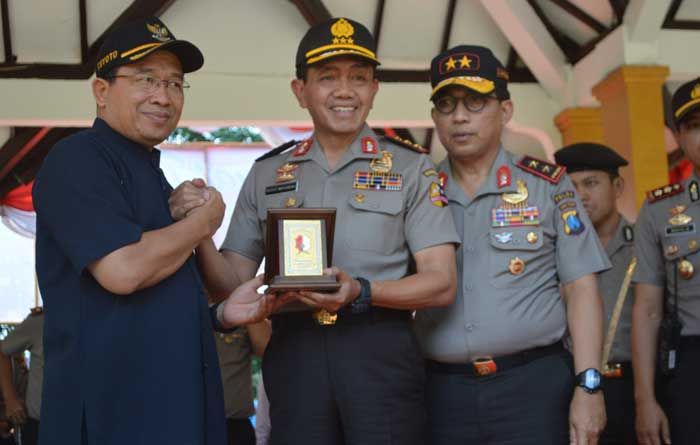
(363,302)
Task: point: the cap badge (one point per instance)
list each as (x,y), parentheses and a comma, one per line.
(158,32)
(695,93)
(342,32)
(382,165)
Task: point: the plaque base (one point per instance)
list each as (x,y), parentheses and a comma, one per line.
(323,283)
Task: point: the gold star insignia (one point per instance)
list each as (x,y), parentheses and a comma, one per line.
(534,164)
(450,64)
(464,62)
(545,169)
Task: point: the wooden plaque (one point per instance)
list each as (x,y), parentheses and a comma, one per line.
(298,247)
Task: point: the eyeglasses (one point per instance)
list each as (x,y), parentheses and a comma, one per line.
(474,102)
(150,84)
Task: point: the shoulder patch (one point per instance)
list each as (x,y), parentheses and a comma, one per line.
(543,169)
(628,233)
(277,150)
(661,193)
(406,144)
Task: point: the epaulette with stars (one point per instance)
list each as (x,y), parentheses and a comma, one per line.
(664,192)
(407,144)
(277,150)
(542,169)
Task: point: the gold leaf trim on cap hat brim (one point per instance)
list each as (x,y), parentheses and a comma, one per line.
(478,84)
(685,106)
(323,48)
(139,48)
(341,52)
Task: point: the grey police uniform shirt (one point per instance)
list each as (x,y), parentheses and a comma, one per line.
(620,250)
(498,312)
(660,244)
(376,229)
(29,335)
(235,354)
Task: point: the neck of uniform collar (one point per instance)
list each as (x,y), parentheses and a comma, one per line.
(148,153)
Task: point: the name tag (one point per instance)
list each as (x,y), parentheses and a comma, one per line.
(680,230)
(281,188)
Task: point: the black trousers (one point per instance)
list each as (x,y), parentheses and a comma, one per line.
(528,404)
(359,382)
(240,432)
(682,395)
(619,408)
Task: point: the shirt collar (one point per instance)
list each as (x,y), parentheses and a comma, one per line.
(618,240)
(364,146)
(121,142)
(490,185)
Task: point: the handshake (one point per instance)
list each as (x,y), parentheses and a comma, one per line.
(194,199)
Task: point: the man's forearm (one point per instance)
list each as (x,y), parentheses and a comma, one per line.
(647,312)
(218,274)
(585,318)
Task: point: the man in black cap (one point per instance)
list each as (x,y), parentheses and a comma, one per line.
(129,353)
(666,311)
(497,369)
(594,170)
(344,367)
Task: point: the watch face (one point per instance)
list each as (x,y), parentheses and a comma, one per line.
(591,379)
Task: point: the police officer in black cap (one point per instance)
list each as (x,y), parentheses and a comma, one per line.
(344,367)
(594,170)
(497,368)
(666,312)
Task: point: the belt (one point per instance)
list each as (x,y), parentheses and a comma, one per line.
(481,367)
(323,319)
(621,370)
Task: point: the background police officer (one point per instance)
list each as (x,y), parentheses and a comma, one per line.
(594,171)
(359,377)
(667,282)
(497,371)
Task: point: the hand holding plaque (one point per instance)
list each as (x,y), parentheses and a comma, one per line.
(299,246)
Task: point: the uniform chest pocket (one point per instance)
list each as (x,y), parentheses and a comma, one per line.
(681,252)
(374,222)
(513,255)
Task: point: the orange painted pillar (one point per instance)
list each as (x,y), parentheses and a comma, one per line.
(580,124)
(633,124)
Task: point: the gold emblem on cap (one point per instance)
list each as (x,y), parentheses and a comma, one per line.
(359,197)
(290,202)
(383,164)
(450,64)
(532,237)
(464,62)
(695,93)
(158,32)
(686,269)
(516,266)
(516,197)
(671,250)
(342,32)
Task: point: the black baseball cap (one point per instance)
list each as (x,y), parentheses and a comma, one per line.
(589,156)
(138,39)
(470,66)
(335,37)
(685,99)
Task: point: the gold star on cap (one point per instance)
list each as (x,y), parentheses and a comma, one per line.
(450,64)
(464,62)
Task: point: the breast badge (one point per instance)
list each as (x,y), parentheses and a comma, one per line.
(678,218)
(515,211)
(285,172)
(686,269)
(516,266)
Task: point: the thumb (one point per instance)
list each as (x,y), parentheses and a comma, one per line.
(199,182)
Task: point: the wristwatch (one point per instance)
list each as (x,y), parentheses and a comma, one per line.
(363,302)
(590,380)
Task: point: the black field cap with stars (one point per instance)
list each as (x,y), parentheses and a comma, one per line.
(685,99)
(589,156)
(472,67)
(335,37)
(136,40)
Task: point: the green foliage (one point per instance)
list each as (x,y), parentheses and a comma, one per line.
(246,135)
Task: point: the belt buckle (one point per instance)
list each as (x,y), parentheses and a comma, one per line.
(324,318)
(612,371)
(484,366)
